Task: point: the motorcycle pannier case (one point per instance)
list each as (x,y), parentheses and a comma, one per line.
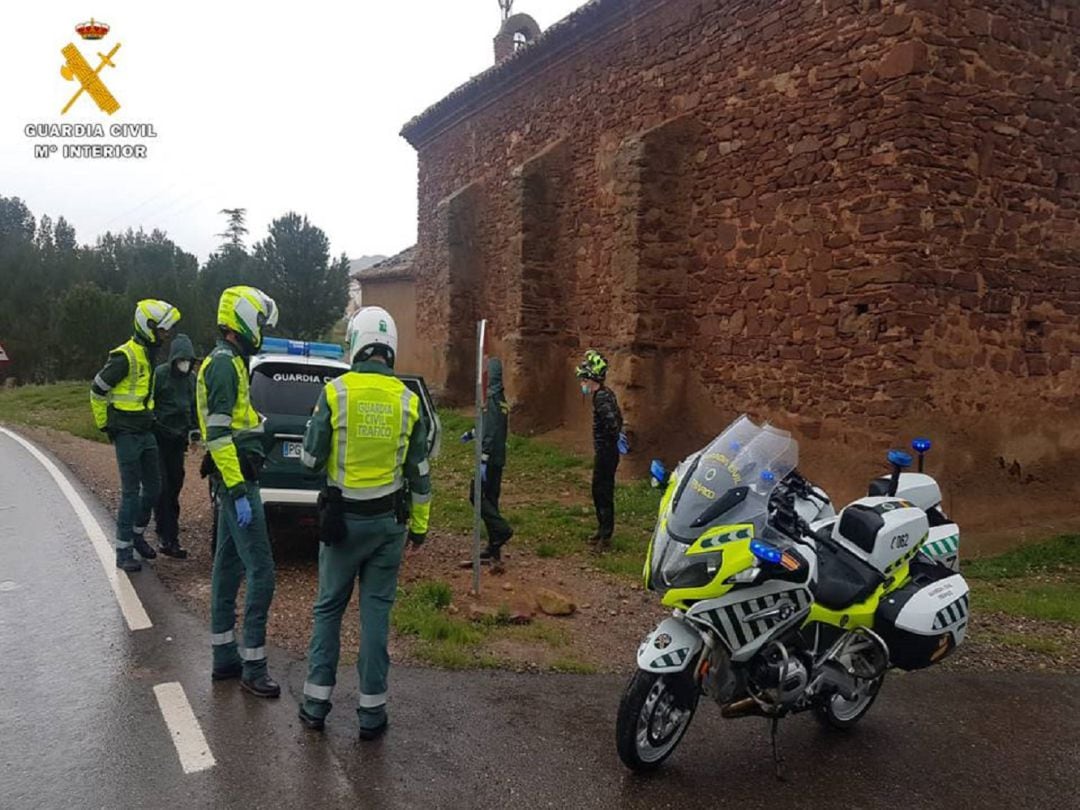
(926,619)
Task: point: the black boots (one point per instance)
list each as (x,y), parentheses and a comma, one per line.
(173,550)
(228,673)
(125,561)
(311,722)
(146,551)
(263,686)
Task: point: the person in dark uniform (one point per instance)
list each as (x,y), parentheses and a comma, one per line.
(607,427)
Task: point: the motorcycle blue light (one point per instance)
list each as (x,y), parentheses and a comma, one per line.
(921,445)
(765,552)
(899,458)
(768,476)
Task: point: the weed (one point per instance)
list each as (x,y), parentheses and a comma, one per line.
(1031,643)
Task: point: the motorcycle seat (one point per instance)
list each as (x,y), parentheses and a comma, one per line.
(842,578)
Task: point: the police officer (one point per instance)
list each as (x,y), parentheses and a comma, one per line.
(369,433)
(233,433)
(122,400)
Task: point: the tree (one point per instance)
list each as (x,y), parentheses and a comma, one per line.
(235,229)
(293,265)
(90,322)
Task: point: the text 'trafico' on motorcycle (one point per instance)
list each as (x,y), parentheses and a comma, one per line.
(780,605)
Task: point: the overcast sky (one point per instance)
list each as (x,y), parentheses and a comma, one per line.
(270,106)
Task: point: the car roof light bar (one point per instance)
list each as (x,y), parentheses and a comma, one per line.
(302,348)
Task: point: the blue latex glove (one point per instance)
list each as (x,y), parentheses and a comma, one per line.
(243,512)
(483,473)
(624,444)
(468,436)
(658,473)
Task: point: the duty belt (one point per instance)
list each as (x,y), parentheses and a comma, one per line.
(376,506)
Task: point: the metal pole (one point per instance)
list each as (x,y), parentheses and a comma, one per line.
(478,444)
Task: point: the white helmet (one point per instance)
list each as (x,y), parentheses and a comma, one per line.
(371,327)
(151,315)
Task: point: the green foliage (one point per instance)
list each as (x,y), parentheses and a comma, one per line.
(61,306)
(293,265)
(62,406)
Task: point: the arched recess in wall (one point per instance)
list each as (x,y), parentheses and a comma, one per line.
(655,174)
(544,279)
(457,220)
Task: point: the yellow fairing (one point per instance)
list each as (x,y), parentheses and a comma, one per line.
(736,557)
(862,614)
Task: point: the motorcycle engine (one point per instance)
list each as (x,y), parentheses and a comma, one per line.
(774,665)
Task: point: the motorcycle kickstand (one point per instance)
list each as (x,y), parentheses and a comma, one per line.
(778,760)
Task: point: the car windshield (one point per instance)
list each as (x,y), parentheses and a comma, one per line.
(289,389)
(729,482)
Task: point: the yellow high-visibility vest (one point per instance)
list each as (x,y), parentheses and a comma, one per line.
(243,419)
(372,416)
(134,393)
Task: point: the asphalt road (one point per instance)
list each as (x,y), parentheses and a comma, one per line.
(80,725)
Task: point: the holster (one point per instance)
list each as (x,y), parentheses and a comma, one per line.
(331,506)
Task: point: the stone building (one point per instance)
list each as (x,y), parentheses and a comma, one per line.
(840,214)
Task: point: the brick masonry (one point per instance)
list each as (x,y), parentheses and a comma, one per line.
(855,213)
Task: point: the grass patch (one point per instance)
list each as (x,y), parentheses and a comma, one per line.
(421,611)
(573,666)
(546,497)
(60,406)
(1037,581)
(1048,601)
(1062,554)
(1035,644)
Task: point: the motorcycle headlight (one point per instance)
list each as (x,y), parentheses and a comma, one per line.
(680,570)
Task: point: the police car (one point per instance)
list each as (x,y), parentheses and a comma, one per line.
(286,379)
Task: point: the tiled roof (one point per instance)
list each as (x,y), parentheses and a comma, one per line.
(399,266)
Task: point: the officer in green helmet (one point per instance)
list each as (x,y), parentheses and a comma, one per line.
(233,432)
(369,433)
(122,401)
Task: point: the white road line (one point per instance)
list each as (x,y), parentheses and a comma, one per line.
(130,604)
(184,729)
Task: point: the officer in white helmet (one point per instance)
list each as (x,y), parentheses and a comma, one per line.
(368,432)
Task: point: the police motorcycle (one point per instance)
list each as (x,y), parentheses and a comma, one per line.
(779,604)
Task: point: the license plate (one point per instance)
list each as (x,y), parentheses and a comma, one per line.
(291,449)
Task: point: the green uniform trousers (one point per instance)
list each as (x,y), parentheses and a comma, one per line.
(140,485)
(241,553)
(371,554)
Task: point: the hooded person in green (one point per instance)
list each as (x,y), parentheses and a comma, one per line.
(174,412)
(492,462)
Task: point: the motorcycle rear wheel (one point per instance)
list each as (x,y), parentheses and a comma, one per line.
(837,712)
(654,714)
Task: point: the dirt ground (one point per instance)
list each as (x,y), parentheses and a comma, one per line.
(612,614)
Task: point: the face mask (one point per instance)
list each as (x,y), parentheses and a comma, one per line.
(584,388)
(183,366)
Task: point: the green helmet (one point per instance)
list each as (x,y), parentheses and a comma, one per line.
(594,366)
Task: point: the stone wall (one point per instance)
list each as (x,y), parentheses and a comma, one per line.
(830,212)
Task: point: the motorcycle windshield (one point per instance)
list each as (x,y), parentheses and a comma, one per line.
(730,481)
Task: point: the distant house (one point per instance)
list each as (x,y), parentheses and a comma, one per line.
(390,284)
(356,267)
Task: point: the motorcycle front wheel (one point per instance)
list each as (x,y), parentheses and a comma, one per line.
(654,714)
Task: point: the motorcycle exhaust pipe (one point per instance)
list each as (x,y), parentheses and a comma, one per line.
(747,707)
